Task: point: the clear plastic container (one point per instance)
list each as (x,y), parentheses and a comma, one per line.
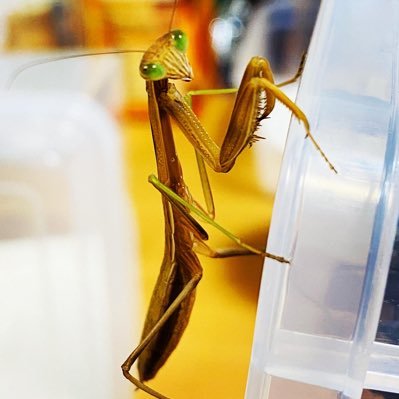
(68,287)
(317,318)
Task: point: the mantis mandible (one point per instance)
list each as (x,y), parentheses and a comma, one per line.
(174,292)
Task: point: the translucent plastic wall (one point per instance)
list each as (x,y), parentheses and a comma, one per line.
(317,318)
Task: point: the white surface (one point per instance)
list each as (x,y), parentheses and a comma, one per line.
(68,286)
(55,336)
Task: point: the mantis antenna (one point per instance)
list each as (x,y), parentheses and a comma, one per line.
(46,60)
(172,17)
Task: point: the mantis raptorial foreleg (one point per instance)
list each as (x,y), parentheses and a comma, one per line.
(206,188)
(246,116)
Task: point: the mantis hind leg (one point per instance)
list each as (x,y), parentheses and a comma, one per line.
(200,247)
(127,365)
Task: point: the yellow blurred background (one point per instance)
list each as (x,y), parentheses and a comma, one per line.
(213,357)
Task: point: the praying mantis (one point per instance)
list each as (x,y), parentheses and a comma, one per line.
(174,292)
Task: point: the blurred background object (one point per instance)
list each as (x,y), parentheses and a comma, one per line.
(40,26)
(69,286)
(372,394)
(279,30)
(29,25)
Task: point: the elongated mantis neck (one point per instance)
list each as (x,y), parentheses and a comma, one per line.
(169,168)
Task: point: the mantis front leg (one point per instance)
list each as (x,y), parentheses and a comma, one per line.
(255,100)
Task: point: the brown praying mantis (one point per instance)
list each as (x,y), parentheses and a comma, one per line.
(174,292)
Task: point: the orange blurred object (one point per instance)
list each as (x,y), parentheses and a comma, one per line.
(43,27)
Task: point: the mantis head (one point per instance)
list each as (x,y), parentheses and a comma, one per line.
(167,59)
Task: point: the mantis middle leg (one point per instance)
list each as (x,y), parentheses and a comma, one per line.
(182,204)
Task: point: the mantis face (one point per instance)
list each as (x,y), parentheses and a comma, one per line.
(167,59)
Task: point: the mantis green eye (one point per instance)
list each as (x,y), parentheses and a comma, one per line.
(180,40)
(152,71)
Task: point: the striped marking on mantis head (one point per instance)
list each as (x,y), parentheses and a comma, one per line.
(167,58)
